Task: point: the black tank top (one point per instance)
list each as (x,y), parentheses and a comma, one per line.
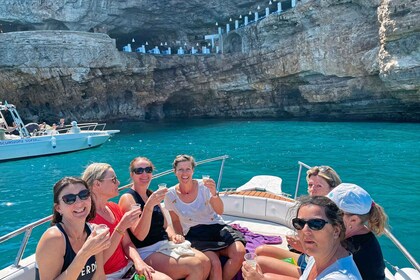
(90,267)
(156,232)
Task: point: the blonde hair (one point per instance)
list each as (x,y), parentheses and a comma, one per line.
(325,172)
(95,171)
(183,158)
(376,219)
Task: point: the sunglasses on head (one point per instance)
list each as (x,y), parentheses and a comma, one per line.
(313,224)
(140,170)
(113,179)
(71,198)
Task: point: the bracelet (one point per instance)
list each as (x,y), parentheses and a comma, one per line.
(119,231)
(216,195)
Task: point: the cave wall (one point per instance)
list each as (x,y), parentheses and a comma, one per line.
(323,60)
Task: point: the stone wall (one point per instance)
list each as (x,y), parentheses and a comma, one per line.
(334,60)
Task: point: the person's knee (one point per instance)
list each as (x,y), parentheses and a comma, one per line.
(260,250)
(238,253)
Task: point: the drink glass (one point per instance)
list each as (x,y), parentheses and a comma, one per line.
(100,228)
(162,186)
(250,259)
(135,206)
(291,233)
(205,177)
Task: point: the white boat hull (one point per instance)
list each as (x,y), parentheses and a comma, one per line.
(47,145)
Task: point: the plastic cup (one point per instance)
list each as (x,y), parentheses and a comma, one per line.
(135,206)
(100,228)
(250,259)
(291,233)
(205,178)
(162,186)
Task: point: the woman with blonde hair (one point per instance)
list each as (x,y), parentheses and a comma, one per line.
(122,255)
(363,219)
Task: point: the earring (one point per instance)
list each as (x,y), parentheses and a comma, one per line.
(350,227)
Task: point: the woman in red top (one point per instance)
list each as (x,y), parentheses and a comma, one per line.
(104,184)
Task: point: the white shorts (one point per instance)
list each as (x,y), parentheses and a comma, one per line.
(145,252)
(119,273)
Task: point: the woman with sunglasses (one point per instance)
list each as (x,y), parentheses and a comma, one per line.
(321,180)
(152,232)
(71,249)
(363,219)
(196,210)
(103,182)
(321,230)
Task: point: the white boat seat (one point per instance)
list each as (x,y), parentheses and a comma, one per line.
(267,183)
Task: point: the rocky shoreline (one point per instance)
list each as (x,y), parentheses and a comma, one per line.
(323,60)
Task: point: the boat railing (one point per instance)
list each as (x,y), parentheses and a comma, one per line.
(67,129)
(388,233)
(27,229)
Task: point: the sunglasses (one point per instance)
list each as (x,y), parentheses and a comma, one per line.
(140,170)
(326,170)
(71,198)
(313,224)
(113,179)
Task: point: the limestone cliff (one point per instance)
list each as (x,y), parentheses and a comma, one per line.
(328,59)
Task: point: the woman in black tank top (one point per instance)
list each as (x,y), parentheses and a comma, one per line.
(153,228)
(70,247)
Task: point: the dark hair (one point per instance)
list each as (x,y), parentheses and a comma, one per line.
(130,168)
(333,213)
(57,189)
(183,158)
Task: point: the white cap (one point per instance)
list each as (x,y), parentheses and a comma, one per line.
(351,198)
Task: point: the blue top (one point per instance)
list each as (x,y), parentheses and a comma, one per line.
(341,269)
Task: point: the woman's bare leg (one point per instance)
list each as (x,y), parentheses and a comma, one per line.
(216,266)
(190,268)
(235,252)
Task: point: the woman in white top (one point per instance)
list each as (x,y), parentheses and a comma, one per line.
(195,209)
(321,231)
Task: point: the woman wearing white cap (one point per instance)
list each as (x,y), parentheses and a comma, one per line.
(363,219)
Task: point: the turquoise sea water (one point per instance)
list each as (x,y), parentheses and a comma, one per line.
(384,158)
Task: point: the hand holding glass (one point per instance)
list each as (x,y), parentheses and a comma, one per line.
(250,259)
(100,228)
(135,206)
(162,186)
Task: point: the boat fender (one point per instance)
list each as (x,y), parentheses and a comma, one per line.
(53,142)
(89,141)
(407,273)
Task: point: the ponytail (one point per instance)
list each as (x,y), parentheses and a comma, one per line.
(376,219)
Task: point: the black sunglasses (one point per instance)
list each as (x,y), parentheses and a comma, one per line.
(140,170)
(313,224)
(71,198)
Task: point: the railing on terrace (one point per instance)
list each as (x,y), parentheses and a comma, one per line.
(275,7)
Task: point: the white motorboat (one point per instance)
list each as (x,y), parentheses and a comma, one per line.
(19,141)
(259,206)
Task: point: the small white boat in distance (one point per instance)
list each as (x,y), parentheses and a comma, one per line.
(19,141)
